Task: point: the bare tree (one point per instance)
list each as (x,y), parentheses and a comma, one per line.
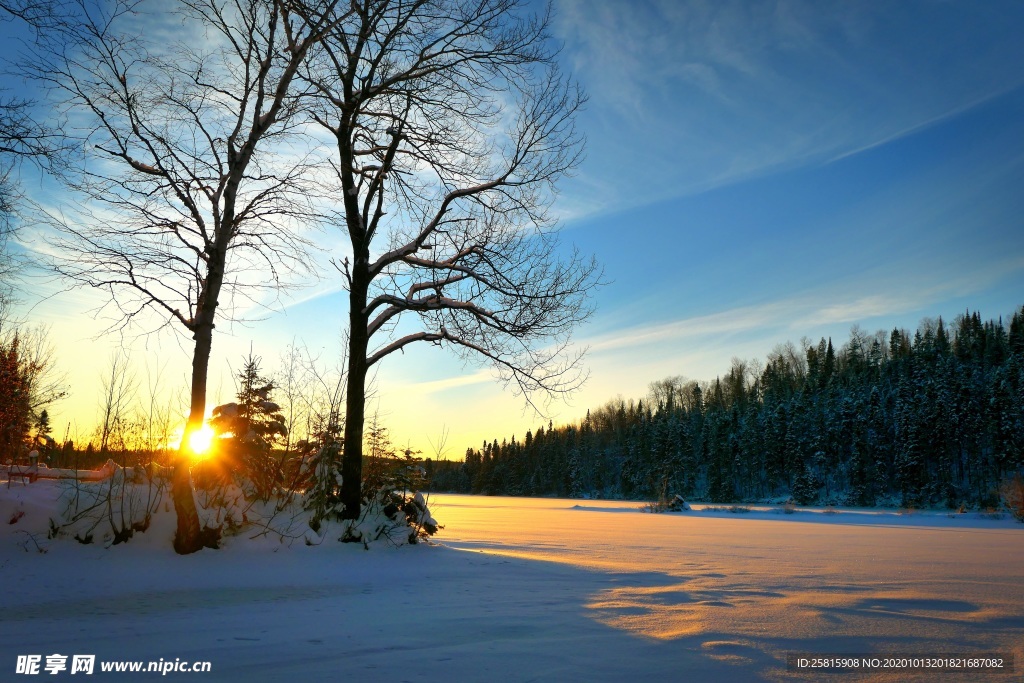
(120,386)
(292,385)
(189,186)
(24,134)
(21,137)
(452,125)
(668,392)
(155,416)
(38,14)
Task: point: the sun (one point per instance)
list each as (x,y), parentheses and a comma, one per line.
(199,441)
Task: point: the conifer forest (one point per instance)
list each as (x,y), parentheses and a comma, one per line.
(933,418)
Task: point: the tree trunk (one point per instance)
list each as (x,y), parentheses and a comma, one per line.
(355,397)
(187,537)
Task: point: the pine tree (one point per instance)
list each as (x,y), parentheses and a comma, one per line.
(43,423)
(1015,340)
(805,488)
(933,417)
(908,451)
(828,365)
(248,431)
(15,406)
(319,460)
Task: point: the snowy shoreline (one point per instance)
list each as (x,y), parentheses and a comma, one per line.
(810,513)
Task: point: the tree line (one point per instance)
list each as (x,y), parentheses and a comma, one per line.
(933,418)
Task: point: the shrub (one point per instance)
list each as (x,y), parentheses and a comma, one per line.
(664,504)
(392,486)
(318,471)
(111,510)
(1012,493)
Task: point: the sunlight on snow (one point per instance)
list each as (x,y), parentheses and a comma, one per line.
(732,580)
(608,593)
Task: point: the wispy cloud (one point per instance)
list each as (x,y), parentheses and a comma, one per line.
(863,308)
(739,89)
(437,386)
(731,321)
(805,312)
(928,123)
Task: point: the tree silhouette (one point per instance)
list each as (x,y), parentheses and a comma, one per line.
(189,190)
(451,126)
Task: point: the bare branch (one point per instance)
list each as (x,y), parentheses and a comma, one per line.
(452,126)
(190,185)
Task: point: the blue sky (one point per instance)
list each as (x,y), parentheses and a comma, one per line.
(756,172)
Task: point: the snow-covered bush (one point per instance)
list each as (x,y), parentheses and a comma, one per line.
(317,471)
(110,510)
(307,503)
(392,490)
(664,504)
(298,499)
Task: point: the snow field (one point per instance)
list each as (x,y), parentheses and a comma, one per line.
(524,590)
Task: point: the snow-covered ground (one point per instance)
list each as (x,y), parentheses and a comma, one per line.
(524,590)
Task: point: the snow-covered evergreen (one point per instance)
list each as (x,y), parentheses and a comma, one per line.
(934,418)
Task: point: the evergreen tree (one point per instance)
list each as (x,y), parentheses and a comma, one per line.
(247,432)
(930,418)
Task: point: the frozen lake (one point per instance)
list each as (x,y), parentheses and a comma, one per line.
(745,589)
(535,590)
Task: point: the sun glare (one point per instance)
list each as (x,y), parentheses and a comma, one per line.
(200,440)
